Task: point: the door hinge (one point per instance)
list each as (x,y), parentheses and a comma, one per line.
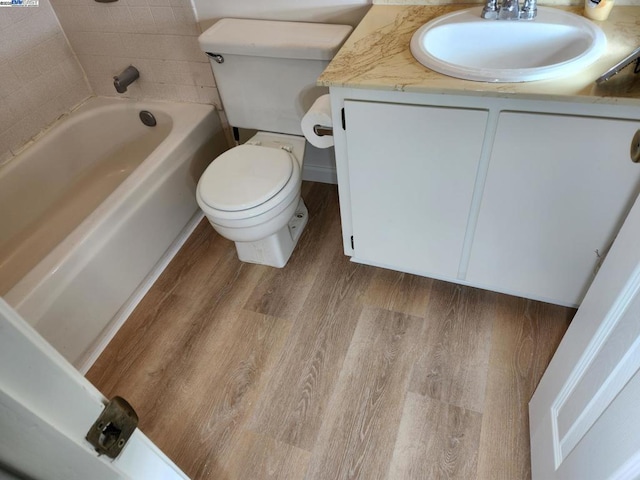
(352,247)
(344,120)
(112,429)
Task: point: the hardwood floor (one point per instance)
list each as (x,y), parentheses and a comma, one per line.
(327,369)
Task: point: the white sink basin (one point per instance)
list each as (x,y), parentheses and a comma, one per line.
(463,45)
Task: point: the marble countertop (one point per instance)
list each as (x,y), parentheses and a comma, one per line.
(377,56)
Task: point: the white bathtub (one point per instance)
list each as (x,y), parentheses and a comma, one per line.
(92,211)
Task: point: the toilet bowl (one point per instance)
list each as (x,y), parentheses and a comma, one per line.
(251,195)
(266,73)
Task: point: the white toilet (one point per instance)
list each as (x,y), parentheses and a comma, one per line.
(266,74)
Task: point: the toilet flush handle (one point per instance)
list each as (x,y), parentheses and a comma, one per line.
(216,57)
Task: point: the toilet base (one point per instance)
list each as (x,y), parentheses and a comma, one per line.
(276,249)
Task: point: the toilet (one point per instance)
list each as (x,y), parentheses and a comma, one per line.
(266,75)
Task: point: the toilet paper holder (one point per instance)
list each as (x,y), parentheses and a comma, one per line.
(322,131)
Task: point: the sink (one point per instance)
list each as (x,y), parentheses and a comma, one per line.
(463,45)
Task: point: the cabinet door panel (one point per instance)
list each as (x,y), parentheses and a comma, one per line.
(557,191)
(412,172)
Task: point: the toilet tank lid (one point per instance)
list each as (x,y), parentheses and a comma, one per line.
(268,38)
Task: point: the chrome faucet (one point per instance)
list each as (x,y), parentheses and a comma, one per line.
(126,78)
(510,10)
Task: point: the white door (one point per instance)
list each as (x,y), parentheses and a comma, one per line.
(46,409)
(585,413)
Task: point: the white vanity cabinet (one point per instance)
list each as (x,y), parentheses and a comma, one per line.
(557,190)
(411,180)
(517,196)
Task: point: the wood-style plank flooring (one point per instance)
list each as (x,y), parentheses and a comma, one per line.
(327,369)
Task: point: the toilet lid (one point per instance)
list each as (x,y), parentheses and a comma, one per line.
(245,177)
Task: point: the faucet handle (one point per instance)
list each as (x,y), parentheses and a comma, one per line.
(510,10)
(490,10)
(529,10)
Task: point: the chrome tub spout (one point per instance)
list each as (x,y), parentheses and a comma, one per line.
(126,78)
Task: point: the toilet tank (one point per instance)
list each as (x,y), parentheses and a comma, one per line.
(266,71)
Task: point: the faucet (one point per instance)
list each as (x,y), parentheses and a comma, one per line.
(126,78)
(510,10)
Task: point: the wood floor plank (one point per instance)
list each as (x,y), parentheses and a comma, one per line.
(231,391)
(292,407)
(454,361)
(196,264)
(526,333)
(165,342)
(399,292)
(139,361)
(259,457)
(436,441)
(283,291)
(358,434)
(217,400)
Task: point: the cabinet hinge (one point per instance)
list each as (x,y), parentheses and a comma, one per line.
(352,247)
(114,426)
(344,121)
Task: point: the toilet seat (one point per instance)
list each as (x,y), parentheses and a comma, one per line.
(247,181)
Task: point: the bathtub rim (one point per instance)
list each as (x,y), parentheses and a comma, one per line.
(25,288)
(39,292)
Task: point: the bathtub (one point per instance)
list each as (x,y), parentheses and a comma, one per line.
(92,212)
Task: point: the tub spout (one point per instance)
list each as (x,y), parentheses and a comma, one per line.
(126,78)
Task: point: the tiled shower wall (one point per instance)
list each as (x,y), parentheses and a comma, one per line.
(40,78)
(159,37)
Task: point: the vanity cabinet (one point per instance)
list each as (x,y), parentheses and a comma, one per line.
(557,190)
(412,171)
(521,197)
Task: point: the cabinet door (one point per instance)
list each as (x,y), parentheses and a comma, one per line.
(558,189)
(412,172)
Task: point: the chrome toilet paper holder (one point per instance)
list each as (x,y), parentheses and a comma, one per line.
(322,131)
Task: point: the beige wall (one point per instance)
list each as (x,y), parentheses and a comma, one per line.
(40,78)
(159,37)
(348,12)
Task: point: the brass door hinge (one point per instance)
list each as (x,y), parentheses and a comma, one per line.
(112,429)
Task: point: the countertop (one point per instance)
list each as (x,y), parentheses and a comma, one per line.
(377,56)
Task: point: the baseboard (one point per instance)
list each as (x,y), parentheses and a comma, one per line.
(321,174)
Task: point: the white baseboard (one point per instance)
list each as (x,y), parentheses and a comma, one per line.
(319,173)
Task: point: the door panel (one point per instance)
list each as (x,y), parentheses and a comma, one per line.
(46,409)
(585,414)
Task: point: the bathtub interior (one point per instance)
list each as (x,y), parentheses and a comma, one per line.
(82,291)
(56,184)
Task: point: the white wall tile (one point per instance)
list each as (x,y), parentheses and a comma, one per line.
(142,18)
(25,66)
(181,3)
(210,95)
(6,115)
(28,127)
(203,74)
(158,3)
(41,78)
(120,18)
(53,52)
(185,21)
(5,150)
(10,81)
(159,37)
